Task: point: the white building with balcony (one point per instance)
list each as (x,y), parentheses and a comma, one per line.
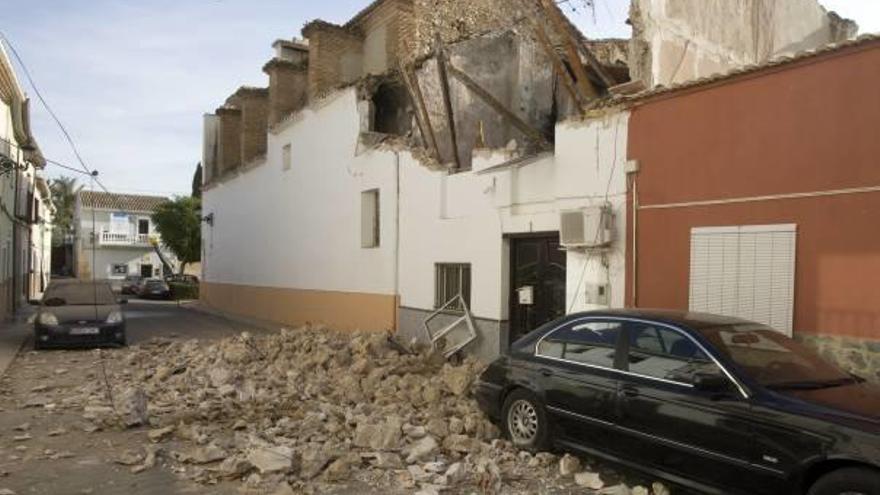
(115,236)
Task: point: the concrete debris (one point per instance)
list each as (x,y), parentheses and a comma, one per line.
(160,434)
(57,432)
(658,488)
(589,480)
(294,411)
(129,458)
(569,465)
(271,459)
(149,460)
(133,407)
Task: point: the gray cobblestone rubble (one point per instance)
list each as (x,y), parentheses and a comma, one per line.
(305,410)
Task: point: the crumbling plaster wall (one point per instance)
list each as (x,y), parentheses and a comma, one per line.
(680,40)
(511,68)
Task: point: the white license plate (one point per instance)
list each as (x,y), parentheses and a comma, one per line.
(85,331)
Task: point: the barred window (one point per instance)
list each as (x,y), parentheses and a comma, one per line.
(450,280)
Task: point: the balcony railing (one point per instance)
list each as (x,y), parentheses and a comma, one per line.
(115,239)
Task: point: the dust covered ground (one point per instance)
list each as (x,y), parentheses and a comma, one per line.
(300,411)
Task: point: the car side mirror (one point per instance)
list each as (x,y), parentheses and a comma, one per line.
(713,383)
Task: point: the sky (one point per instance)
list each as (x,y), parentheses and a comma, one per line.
(131,79)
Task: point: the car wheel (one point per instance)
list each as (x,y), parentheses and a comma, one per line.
(524,421)
(848,481)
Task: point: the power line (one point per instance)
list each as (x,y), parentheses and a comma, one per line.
(43,101)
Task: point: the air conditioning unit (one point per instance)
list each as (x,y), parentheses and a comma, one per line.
(585,228)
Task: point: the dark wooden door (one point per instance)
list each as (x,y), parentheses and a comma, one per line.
(536,262)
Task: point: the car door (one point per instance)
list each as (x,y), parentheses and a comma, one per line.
(666,422)
(577,363)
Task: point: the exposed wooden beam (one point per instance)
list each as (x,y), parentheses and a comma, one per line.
(574,59)
(499,107)
(561,71)
(422,117)
(447,100)
(597,66)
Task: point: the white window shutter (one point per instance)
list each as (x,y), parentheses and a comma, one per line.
(746,272)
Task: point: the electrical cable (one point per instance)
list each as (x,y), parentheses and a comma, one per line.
(48,108)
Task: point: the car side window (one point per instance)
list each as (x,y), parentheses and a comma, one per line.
(587,342)
(667,354)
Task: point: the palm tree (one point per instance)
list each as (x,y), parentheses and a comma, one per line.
(64,191)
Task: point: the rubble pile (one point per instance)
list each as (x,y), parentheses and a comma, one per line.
(302,409)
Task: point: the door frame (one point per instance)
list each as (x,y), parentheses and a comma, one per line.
(511,270)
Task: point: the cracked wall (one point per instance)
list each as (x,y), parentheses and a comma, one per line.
(679,40)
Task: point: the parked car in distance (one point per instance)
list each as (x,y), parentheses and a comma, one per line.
(717,404)
(79,313)
(154,288)
(130,284)
(182,278)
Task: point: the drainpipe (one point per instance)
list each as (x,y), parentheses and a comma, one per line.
(635,242)
(396,241)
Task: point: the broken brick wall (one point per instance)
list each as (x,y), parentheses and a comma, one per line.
(254,106)
(336,56)
(288,88)
(457,20)
(387,32)
(679,40)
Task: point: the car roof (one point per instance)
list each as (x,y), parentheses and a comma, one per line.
(690,319)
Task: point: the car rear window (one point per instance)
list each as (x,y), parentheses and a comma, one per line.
(586,342)
(79,294)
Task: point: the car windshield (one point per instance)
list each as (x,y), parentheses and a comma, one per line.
(774,360)
(79,294)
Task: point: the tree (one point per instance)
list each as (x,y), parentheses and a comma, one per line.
(64,191)
(180,226)
(197,182)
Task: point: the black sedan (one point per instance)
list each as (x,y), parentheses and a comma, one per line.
(154,288)
(77,313)
(717,404)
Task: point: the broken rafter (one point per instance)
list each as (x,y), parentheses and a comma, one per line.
(574,59)
(561,71)
(499,107)
(447,101)
(411,81)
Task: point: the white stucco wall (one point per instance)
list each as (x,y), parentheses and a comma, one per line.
(464,217)
(300,228)
(106,255)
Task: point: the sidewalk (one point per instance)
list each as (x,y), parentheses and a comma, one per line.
(13,334)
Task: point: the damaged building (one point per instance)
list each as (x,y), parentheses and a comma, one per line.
(438,169)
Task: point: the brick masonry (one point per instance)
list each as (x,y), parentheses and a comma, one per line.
(335,56)
(229,156)
(858,356)
(288,88)
(254,106)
